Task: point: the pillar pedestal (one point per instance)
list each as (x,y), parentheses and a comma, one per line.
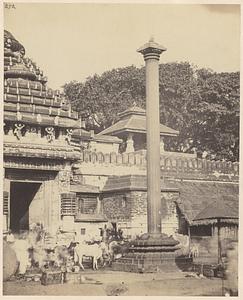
(149,254)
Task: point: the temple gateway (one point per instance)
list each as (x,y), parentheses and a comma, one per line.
(75,182)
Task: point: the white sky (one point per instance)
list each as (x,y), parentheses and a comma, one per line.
(74,41)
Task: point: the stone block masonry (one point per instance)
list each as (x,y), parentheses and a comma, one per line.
(129,211)
(117,207)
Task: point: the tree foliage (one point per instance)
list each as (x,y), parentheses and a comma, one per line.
(203,105)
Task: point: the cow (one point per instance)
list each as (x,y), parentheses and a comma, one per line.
(95,251)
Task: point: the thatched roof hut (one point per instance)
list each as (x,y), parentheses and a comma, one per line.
(225,210)
(203,202)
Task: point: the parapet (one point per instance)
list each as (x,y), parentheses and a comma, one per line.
(178,167)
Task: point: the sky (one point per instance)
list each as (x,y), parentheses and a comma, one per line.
(75,40)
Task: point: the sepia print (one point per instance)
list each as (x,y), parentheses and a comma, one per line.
(121,149)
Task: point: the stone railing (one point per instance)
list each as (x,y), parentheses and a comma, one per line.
(176,165)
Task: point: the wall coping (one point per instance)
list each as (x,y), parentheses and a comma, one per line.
(169,164)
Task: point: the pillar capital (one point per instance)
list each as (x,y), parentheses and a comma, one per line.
(151,50)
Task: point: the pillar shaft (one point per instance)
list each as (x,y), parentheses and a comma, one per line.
(153,145)
(151,53)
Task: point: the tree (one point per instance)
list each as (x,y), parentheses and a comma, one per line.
(101,98)
(218,113)
(200,103)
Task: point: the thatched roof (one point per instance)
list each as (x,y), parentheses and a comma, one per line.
(226,209)
(204,199)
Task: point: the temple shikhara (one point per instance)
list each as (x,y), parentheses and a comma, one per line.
(77,183)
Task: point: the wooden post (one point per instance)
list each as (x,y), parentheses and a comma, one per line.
(219,242)
(189,236)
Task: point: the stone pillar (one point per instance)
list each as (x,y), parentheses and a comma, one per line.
(130,143)
(151,53)
(153,251)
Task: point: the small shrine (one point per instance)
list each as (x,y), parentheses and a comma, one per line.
(131,127)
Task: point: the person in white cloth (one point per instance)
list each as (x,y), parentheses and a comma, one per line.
(21,248)
(10,237)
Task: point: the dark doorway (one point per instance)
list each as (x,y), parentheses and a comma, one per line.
(21,195)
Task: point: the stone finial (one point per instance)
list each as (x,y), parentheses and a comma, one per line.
(151,40)
(151,49)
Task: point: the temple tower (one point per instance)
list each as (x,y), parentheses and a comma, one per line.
(38,151)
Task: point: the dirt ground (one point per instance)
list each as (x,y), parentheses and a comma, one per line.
(113,283)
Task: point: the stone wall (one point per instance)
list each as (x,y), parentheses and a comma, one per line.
(88,230)
(135,163)
(95,167)
(170,217)
(117,206)
(104,147)
(129,211)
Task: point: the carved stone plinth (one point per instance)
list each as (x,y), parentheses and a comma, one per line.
(150,253)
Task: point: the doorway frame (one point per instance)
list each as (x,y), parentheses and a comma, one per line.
(9,204)
(47,178)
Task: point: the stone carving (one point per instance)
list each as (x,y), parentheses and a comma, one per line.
(130,143)
(15,163)
(19,116)
(50,134)
(162,145)
(33,129)
(64,180)
(39,118)
(69,135)
(17,130)
(84,145)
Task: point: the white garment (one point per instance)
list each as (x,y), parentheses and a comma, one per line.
(10,238)
(21,249)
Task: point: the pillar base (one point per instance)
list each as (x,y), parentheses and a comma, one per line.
(149,254)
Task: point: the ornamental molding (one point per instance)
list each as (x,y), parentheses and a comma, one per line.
(36,164)
(69,135)
(17,150)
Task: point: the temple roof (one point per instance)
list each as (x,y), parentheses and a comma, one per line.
(107,139)
(134,120)
(84,135)
(26,96)
(131,183)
